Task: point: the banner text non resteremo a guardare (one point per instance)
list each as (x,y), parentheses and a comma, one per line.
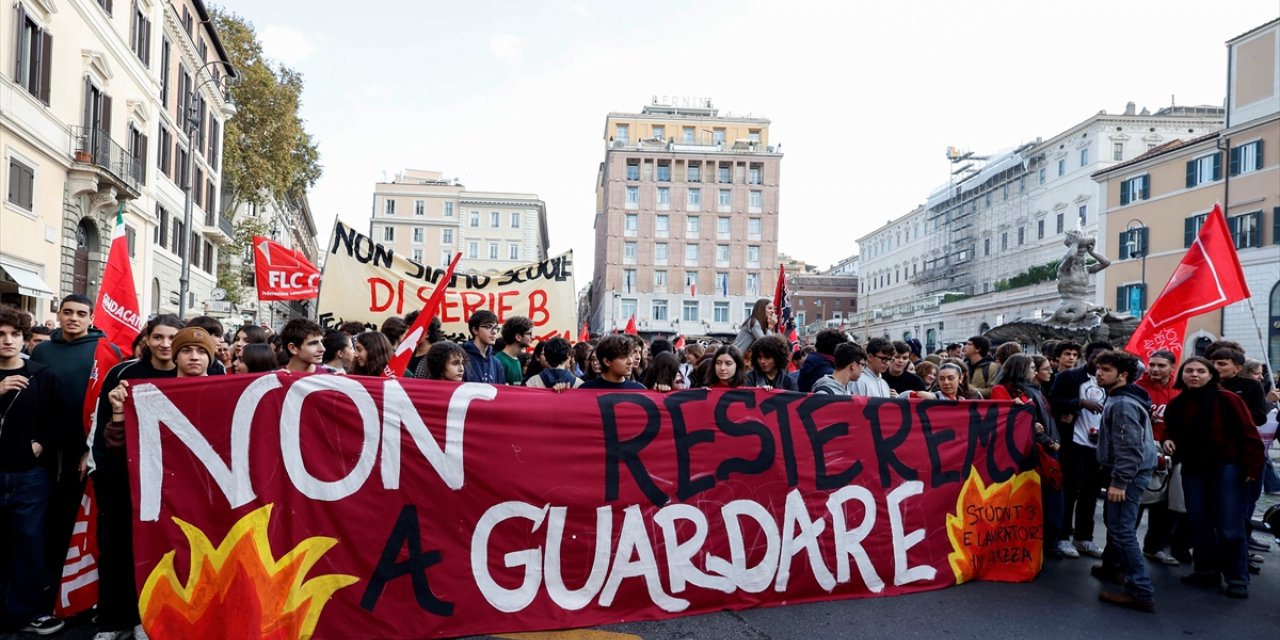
(342,506)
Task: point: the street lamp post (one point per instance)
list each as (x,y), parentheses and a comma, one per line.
(1138,249)
(193,130)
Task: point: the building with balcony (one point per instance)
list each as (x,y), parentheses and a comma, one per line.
(982,250)
(1155,204)
(686,220)
(95,102)
(427,218)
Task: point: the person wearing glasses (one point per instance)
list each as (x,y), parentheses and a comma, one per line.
(872,383)
(482,364)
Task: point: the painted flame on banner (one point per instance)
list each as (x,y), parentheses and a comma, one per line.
(997,532)
(238,589)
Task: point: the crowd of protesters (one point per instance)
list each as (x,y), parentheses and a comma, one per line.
(1178,441)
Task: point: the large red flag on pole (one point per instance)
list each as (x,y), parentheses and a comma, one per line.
(1208,278)
(117,312)
(404,351)
(283,273)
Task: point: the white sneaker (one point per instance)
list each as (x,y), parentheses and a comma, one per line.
(111,635)
(1066,550)
(1163,557)
(1089,548)
(139,633)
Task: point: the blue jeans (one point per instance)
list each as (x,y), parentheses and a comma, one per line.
(1216,502)
(24,496)
(1122,539)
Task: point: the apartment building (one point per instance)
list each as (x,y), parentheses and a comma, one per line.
(100,101)
(980,251)
(427,218)
(686,219)
(1157,202)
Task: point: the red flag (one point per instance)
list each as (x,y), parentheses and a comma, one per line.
(585,334)
(117,311)
(679,344)
(693,288)
(782,304)
(283,273)
(404,351)
(78,590)
(631,327)
(1208,278)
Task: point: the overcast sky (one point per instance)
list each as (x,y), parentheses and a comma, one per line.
(864,98)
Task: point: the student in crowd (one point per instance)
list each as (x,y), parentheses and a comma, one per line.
(899,377)
(727,368)
(338,347)
(217,366)
(1047,349)
(29,394)
(353,328)
(951,382)
(1024,388)
(872,383)
(664,374)
(1005,350)
(614,354)
(445,360)
(537,361)
(39,333)
(482,365)
(797,359)
(1066,356)
(692,356)
(822,361)
(760,323)
(245,335)
(850,360)
(1270,477)
(982,369)
(928,373)
(1210,431)
(591,368)
(117,588)
(394,329)
(517,335)
(769,364)
(639,356)
(1077,402)
(1161,522)
(372,354)
(69,354)
(556,375)
(1127,453)
(581,351)
(1044,374)
(1228,358)
(258,358)
(955,350)
(302,341)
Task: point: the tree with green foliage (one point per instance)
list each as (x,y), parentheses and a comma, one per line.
(268,155)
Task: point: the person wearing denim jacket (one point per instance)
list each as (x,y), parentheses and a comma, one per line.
(1126,449)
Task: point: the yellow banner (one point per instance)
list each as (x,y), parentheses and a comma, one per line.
(365,282)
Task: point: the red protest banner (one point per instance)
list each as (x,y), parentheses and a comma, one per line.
(344,506)
(283,273)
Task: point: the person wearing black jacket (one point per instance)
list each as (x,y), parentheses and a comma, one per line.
(117,587)
(1075,404)
(28,391)
(70,353)
(1229,362)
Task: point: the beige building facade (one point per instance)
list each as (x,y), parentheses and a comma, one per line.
(1156,204)
(90,120)
(686,220)
(427,218)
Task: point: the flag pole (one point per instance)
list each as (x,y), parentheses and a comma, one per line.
(1253,315)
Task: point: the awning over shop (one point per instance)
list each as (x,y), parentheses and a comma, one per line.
(29,282)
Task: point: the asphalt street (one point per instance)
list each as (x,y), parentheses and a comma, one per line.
(1061,603)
